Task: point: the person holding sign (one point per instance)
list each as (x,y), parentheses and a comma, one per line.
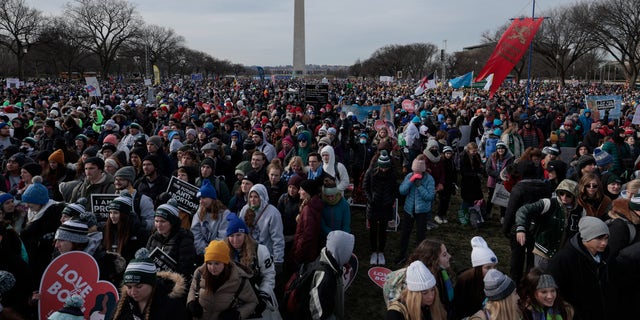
(122,230)
(147,294)
(171,246)
(210,221)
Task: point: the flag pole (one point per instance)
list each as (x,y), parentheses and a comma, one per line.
(533,16)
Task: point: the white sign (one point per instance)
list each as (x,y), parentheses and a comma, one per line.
(93,87)
(636,116)
(13,83)
(147,82)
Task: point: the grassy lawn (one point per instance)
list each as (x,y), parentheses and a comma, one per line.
(364,298)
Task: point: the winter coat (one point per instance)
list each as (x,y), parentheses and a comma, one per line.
(469,293)
(435,167)
(306,245)
(179,246)
(38,235)
(381,190)
(327,294)
(336,216)
(554,224)
(419,197)
(495,166)
(524,192)
(335,169)
(267,228)
(209,229)
(362,155)
(215,302)
(514,143)
(289,208)
(618,152)
(152,190)
(471,170)
(86,189)
(263,277)
(596,208)
(583,282)
(167,302)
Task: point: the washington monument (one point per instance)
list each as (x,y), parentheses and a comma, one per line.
(298,39)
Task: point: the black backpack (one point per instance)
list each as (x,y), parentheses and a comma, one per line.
(298,288)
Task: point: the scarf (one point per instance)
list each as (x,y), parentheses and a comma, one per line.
(448,285)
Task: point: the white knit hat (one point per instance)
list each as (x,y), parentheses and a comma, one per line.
(419,278)
(481,254)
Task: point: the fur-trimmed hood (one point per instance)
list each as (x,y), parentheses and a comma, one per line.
(620,209)
(169,284)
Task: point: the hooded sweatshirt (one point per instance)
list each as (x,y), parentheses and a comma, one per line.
(267,224)
(341,176)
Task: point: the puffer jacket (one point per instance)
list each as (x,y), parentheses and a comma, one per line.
(167,301)
(419,197)
(381,189)
(268,224)
(306,245)
(179,246)
(215,302)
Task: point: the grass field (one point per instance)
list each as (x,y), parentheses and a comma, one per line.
(364,298)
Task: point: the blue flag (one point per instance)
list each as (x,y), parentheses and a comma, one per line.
(461,81)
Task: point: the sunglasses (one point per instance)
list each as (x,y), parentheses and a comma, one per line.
(322,145)
(564,194)
(592,186)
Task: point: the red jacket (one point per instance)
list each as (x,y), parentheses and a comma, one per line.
(306,244)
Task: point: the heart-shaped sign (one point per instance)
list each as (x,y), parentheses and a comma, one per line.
(379,275)
(408,105)
(76,272)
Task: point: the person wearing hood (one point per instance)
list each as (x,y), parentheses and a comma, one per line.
(336,170)
(556,221)
(262,145)
(582,273)
(585,121)
(620,152)
(327,287)
(149,294)
(336,212)
(302,147)
(498,160)
(264,223)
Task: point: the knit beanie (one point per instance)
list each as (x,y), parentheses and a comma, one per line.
(111,139)
(112,162)
(252,176)
(249,144)
(546,281)
(481,254)
(497,286)
(236,225)
(217,250)
(419,278)
(88,218)
(383,160)
(169,211)
(602,157)
(123,203)
(98,162)
(33,168)
(141,269)
(72,309)
(295,181)
(4,197)
(591,228)
(36,193)
(73,231)
(312,187)
(208,162)
(19,158)
(207,190)
(585,160)
(57,156)
(91,151)
(155,140)
(7,281)
(75,209)
(243,167)
(128,173)
(418,165)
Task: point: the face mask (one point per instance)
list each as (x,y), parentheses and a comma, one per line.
(363,141)
(434,152)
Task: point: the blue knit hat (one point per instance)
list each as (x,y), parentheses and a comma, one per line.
(207,190)
(4,197)
(236,225)
(415,119)
(36,193)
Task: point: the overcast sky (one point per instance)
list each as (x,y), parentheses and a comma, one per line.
(338,32)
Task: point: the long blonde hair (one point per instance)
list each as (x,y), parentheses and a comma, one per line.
(214,209)
(247,251)
(413,301)
(505,309)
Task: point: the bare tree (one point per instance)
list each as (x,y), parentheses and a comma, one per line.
(561,41)
(62,45)
(160,42)
(106,25)
(615,24)
(19,28)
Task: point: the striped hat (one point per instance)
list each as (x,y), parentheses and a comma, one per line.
(75,209)
(123,203)
(141,269)
(169,211)
(73,231)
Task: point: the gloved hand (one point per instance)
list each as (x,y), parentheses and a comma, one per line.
(263,300)
(279,267)
(415,176)
(195,309)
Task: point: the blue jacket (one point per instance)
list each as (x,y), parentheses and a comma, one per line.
(585,122)
(420,197)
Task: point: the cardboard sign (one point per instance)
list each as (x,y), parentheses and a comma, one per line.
(100,204)
(163,261)
(379,275)
(349,271)
(75,272)
(185,194)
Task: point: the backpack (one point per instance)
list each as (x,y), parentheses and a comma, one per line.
(297,291)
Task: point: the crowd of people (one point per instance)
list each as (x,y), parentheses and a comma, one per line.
(276,181)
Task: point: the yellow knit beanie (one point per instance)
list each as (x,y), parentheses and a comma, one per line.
(217,250)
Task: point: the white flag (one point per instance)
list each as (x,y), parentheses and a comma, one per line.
(489,81)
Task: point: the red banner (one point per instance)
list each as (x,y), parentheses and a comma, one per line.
(512,45)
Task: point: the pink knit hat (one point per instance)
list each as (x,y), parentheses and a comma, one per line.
(418,165)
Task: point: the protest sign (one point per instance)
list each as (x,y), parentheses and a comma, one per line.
(100,204)
(379,275)
(163,261)
(75,272)
(185,194)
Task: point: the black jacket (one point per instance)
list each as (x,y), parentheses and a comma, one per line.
(381,189)
(179,246)
(168,301)
(524,192)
